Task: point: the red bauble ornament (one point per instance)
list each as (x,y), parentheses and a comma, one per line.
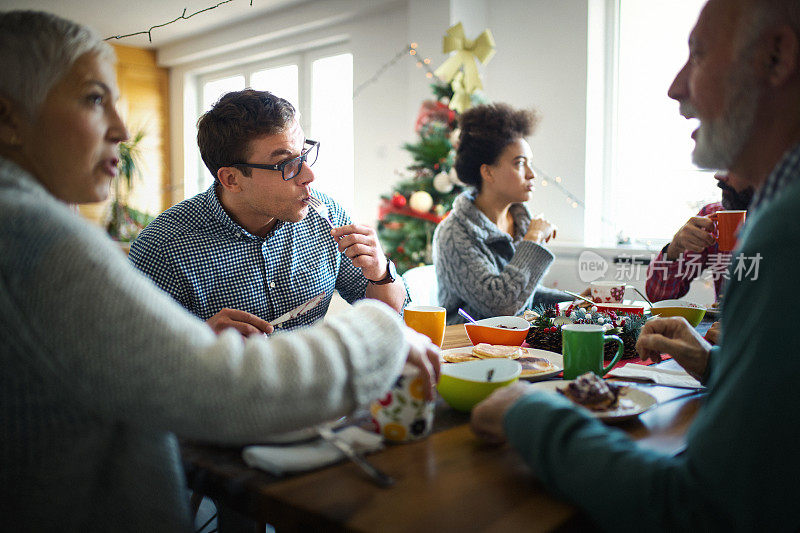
(398,200)
(401,250)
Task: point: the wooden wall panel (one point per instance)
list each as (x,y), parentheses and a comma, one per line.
(143,104)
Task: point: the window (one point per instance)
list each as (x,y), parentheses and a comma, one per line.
(649,185)
(319,83)
(332,125)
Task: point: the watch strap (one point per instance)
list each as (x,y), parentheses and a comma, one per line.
(388,278)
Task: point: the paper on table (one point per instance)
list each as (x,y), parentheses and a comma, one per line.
(670,377)
(279,460)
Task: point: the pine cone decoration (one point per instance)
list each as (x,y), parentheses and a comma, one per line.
(544,340)
(551,341)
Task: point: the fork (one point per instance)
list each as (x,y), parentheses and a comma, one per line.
(320,208)
(382,479)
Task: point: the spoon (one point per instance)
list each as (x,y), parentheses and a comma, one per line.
(640,294)
(466,315)
(576,295)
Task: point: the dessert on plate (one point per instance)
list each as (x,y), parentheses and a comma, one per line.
(592,392)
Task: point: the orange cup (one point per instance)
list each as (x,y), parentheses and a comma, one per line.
(428,320)
(727,226)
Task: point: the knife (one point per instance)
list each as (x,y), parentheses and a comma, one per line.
(300,309)
(381,479)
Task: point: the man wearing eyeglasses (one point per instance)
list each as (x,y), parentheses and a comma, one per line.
(250,248)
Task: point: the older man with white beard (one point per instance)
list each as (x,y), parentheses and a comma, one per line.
(739,470)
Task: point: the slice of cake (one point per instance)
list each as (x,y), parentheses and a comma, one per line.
(592,392)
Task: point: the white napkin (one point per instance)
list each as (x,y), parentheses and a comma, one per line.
(279,460)
(671,377)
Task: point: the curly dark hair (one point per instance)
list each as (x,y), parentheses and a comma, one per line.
(485,131)
(225,131)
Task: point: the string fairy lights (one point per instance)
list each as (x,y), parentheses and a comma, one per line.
(183,16)
(410,50)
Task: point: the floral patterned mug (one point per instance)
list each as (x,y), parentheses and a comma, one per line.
(607,291)
(403,414)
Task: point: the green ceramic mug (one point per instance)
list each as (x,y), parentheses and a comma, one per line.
(582,348)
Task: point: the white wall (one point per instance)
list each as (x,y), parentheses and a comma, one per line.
(540,62)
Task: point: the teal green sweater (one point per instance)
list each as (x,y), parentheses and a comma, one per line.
(741,469)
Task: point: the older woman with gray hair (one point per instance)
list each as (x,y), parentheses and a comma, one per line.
(100,368)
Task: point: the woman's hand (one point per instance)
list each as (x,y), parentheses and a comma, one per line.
(424,355)
(540,230)
(587,293)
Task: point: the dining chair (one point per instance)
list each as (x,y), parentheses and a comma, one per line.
(422,285)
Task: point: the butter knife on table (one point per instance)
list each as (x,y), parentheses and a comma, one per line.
(381,479)
(299,310)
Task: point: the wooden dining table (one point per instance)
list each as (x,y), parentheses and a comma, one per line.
(449,481)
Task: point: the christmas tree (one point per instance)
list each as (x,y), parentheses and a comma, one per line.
(409,215)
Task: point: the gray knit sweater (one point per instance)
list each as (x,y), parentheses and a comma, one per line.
(483,270)
(100,371)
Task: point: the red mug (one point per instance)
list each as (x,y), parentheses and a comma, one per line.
(726,228)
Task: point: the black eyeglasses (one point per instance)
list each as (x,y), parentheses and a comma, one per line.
(290,168)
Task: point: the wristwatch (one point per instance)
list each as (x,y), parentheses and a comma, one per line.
(391,274)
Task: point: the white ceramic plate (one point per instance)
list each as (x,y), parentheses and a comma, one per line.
(555,358)
(632,401)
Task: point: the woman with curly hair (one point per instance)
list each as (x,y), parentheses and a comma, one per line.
(489,252)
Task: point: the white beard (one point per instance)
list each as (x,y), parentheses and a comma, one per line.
(720,141)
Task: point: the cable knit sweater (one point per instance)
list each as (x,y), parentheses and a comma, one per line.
(100,371)
(483,270)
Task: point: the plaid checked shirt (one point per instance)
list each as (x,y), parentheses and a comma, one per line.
(206,261)
(671,279)
(787,171)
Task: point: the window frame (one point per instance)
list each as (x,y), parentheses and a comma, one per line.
(304,60)
(603,123)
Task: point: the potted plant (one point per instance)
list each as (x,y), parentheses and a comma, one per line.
(124,221)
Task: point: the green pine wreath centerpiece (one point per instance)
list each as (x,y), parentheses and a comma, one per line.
(546,323)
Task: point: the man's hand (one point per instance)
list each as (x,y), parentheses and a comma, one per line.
(360,243)
(694,236)
(540,230)
(242,321)
(424,355)
(713,333)
(487,417)
(676,337)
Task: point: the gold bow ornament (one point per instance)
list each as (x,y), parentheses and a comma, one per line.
(466,53)
(461,100)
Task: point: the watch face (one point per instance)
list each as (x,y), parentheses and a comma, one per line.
(391,274)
